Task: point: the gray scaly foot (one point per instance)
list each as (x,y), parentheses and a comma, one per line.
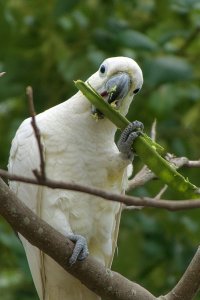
(130,133)
(80,251)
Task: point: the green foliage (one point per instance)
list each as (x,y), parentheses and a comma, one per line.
(166,69)
(50,44)
(136,40)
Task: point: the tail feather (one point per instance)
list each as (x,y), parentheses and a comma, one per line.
(56,293)
(51,281)
(60,285)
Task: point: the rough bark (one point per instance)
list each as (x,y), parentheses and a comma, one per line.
(104,282)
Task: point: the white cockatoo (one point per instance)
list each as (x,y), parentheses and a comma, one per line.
(80,148)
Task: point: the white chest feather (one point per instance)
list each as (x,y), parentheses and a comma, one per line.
(79,149)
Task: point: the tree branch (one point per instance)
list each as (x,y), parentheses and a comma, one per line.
(172,205)
(104,282)
(189,284)
(142,177)
(192,164)
(36,130)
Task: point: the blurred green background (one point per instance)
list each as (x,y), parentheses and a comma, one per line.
(48,44)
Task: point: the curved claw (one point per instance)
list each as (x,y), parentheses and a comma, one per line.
(130,133)
(80,251)
(136,125)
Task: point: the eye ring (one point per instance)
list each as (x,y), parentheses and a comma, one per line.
(136,91)
(102,69)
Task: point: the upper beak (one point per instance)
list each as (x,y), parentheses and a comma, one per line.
(117,87)
(115,90)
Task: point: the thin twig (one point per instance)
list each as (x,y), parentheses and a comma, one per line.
(41,174)
(172,205)
(161,192)
(133,207)
(142,177)
(157,197)
(153,130)
(192,164)
(178,162)
(183,161)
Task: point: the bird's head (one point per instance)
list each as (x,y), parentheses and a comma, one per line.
(118,80)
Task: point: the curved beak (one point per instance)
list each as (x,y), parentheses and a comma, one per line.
(117,87)
(114,91)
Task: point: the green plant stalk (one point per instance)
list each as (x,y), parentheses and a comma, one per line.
(147,149)
(113,115)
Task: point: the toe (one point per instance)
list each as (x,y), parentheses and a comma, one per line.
(137,125)
(80,251)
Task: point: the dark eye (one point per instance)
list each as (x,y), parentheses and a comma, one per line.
(136,91)
(102,69)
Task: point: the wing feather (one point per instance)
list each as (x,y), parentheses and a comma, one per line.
(124,183)
(24,157)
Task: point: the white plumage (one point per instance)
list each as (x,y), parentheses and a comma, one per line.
(77,148)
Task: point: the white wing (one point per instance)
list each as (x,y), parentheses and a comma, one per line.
(24,157)
(123,186)
(50,280)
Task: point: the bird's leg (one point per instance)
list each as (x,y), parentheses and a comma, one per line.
(80,251)
(130,133)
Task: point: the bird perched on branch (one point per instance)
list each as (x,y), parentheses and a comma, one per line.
(78,146)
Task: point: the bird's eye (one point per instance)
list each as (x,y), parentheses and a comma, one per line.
(136,91)
(102,69)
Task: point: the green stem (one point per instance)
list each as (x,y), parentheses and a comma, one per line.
(147,149)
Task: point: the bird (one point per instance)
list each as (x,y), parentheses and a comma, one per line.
(78,146)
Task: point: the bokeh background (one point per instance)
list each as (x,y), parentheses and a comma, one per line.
(48,44)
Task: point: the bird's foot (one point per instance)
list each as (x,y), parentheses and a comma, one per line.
(80,251)
(130,133)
